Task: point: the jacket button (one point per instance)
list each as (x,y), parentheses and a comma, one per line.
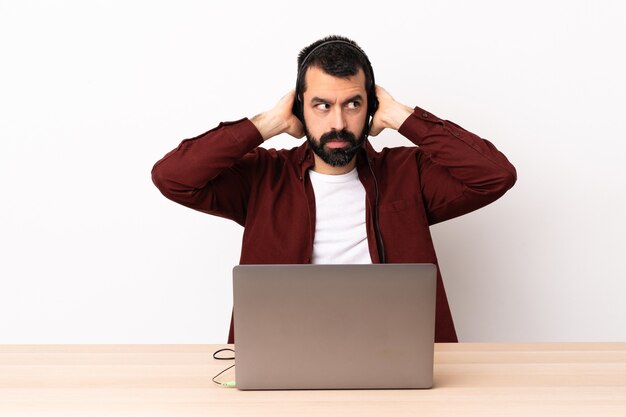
(424,114)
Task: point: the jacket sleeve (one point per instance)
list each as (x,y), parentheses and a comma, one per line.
(211,172)
(459,171)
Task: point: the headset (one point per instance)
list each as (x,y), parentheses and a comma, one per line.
(372,101)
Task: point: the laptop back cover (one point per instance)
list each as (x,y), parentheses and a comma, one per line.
(334,326)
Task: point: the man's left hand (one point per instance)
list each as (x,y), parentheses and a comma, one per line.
(390,114)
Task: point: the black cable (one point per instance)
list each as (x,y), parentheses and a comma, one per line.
(376,225)
(221,358)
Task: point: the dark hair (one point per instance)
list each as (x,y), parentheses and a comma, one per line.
(337,56)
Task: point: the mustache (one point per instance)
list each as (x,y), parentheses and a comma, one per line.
(343,135)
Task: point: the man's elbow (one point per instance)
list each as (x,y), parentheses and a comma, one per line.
(509,178)
(495,185)
(162,182)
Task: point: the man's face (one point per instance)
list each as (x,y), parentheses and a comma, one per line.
(335,112)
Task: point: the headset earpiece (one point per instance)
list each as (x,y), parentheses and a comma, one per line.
(297,109)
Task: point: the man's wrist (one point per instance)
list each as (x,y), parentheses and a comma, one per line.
(398,115)
(267,126)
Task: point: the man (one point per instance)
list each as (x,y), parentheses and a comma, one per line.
(334,199)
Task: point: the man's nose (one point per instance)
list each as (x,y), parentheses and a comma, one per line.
(338,119)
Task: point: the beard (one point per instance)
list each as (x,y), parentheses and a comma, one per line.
(336,157)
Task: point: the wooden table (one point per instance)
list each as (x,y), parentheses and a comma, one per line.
(566,379)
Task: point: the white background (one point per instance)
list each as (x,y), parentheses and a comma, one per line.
(92,94)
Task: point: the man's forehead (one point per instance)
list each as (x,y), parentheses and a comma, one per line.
(320,83)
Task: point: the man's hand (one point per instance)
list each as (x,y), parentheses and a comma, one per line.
(279,120)
(390,113)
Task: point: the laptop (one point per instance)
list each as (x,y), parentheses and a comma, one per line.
(334,326)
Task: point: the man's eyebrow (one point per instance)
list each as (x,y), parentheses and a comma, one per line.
(318,100)
(356,97)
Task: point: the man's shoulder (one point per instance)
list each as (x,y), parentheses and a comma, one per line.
(281,154)
(268,161)
(393,154)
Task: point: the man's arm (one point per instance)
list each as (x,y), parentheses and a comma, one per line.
(279,120)
(211,172)
(390,114)
(459,171)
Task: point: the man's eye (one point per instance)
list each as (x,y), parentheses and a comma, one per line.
(354,105)
(322,106)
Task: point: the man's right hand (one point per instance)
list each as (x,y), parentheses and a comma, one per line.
(279,120)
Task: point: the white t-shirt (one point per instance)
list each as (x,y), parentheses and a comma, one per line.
(340,231)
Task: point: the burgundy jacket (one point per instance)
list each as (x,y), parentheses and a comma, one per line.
(449,173)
